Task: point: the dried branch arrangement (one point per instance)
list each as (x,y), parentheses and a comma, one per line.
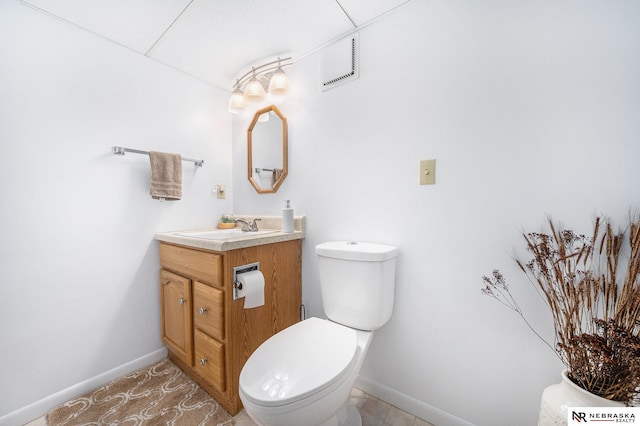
(591,285)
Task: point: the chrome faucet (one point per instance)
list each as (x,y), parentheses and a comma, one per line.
(248,227)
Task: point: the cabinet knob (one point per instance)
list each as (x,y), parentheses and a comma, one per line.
(203,361)
(181,301)
(202,311)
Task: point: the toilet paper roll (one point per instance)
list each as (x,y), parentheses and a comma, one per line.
(253,287)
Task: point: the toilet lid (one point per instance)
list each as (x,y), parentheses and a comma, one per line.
(297,362)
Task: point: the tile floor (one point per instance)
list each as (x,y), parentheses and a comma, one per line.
(374,412)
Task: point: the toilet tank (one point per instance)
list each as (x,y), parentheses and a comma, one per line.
(357,282)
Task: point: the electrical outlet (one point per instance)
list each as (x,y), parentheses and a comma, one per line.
(427,172)
(220,191)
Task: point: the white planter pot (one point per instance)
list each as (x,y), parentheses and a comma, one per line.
(557,398)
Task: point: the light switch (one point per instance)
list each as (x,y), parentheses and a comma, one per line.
(220,191)
(427,172)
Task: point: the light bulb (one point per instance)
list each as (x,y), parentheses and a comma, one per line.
(279,84)
(254,92)
(237,105)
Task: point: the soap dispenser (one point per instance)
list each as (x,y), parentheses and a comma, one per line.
(287,217)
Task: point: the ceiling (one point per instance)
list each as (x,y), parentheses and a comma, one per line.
(219,40)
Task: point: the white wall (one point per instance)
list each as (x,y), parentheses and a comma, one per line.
(80,266)
(531,108)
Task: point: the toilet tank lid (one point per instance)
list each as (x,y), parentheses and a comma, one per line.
(355,250)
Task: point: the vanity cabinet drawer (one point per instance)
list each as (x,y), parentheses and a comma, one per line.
(208,309)
(209,359)
(201,265)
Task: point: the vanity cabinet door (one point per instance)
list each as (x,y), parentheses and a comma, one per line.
(209,359)
(175,300)
(208,308)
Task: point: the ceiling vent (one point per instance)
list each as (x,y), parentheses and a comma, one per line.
(340,62)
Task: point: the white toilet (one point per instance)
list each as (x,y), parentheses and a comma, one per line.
(303,375)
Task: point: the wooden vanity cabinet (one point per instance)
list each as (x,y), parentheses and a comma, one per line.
(208,334)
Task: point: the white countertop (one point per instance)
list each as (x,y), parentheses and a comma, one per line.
(267,223)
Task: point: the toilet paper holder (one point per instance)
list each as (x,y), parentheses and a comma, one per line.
(238,291)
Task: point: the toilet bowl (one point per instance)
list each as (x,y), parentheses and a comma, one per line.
(309,382)
(303,375)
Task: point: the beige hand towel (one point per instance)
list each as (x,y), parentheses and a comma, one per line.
(276,175)
(166,175)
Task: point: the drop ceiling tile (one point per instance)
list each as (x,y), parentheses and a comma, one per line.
(364,11)
(136,24)
(218,40)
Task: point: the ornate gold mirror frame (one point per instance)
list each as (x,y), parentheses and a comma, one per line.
(266,140)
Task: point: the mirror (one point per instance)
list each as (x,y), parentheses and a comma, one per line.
(267,149)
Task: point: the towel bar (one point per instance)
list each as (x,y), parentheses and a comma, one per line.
(120,150)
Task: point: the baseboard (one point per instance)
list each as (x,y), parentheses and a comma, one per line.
(409,404)
(43,406)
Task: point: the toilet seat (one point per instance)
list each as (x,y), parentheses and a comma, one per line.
(318,354)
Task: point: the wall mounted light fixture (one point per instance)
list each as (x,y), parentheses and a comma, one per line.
(267,80)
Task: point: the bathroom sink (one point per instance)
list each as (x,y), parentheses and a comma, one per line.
(223,234)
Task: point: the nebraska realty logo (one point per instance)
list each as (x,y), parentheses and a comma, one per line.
(582,415)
